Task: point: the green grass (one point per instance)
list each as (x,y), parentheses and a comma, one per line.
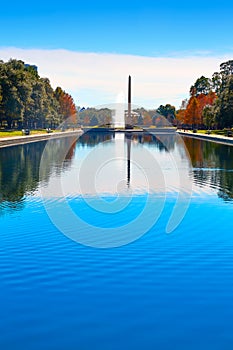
(213,132)
(201,131)
(14,133)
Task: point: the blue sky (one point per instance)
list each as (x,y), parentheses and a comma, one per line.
(153,29)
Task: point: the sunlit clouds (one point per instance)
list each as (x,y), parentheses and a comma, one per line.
(98,78)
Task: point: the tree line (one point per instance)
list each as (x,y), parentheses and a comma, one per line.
(27,100)
(211,101)
(162,116)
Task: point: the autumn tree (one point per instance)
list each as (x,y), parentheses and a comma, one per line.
(147,119)
(205,100)
(180,117)
(66,107)
(211,101)
(192,116)
(201,96)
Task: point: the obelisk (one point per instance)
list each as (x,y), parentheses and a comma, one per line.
(128,136)
(129,121)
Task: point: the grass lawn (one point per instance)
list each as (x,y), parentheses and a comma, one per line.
(213,132)
(14,133)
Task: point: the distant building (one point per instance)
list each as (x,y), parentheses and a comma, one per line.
(133,114)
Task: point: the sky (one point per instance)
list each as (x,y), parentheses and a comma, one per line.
(89,48)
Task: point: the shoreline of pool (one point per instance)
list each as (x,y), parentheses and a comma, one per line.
(226,140)
(21,140)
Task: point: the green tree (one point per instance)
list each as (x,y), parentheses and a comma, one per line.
(216,82)
(201,86)
(168,111)
(226,68)
(28,100)
(208,116)
(12,106)
(50,106)
(224,105)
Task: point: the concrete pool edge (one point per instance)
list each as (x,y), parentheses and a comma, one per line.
(225,140)
(20,140)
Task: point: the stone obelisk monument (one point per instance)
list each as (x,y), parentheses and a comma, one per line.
(129,119)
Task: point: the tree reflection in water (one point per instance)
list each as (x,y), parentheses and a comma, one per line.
(19,169)
(213,165)
(20,176)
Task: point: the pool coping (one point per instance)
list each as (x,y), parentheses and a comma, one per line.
(21,140)
(225,140)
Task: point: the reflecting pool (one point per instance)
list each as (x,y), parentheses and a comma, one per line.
(116,241)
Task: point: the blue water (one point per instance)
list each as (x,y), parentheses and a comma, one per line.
(160,291)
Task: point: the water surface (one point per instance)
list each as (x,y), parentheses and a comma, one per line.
(160,291)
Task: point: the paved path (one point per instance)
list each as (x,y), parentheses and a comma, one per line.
(212,137)
(19,140)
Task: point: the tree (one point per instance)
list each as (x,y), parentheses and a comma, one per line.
(67,107)
(86,120)
(205,100)
(180,116)
(168,111)
(208,116)
(216,82)
(28,100)
(201,86)
(191,114)
(51,105)
(94,121)
(11,102)
(140,119)
(226,68)
(35,111)
(147,119)
(224,105)
(211,106)
(201,95)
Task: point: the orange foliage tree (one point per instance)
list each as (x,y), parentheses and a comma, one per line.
(147,119)
(67,107)
(191,116)
(204,100)
(180,117)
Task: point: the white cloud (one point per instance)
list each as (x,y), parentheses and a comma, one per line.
(98,78)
